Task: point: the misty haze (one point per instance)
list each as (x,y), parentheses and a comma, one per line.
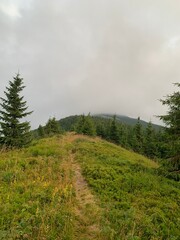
(80,56)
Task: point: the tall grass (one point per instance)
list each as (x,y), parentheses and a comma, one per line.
(36,193)
(137,202)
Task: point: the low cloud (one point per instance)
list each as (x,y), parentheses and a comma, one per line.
(80,56)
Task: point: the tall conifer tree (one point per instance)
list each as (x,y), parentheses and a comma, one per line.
(114,133)
(150,144)
(52,127)
(14,132)
(172,121)
(138,131)
(41,131)
(86,126)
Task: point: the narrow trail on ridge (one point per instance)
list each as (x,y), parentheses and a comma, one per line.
(86,210)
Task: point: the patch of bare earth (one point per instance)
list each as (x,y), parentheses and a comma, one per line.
(86,210)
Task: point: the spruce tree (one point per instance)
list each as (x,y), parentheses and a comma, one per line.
(123,133)
(41,131)
(14,132)
(89,128)
(80,124)
(114,133)
(163,147)
(86,126)
(172,121)
(138,134)
(100,130)
(150,141)
(52,127)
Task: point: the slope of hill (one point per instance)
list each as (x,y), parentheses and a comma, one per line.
(76,187)
(68,123)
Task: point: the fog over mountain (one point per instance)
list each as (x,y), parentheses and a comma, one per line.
(98,56)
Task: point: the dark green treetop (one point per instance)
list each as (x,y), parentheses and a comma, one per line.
(41,131)
(139,139)
(114,132)
(14,132)
(52,127)
(86,126)
(150,149)
(172,118)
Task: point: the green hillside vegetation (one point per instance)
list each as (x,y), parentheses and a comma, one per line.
(75,187)
(145,140)
(36,192)
(153,143)
(137,202)
(44,192)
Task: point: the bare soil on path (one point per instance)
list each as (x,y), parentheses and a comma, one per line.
(86,210)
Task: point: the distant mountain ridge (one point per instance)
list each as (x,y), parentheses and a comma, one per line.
(67,122)
(126,120)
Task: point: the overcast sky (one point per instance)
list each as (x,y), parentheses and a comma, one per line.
(98,56)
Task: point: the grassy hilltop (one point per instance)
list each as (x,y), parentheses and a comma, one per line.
(75,187)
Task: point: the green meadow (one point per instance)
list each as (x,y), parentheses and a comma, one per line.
(36,192)
(74,187)
(137,202)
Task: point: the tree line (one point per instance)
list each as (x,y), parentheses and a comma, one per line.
(143,140)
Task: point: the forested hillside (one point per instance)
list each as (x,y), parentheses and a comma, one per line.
(148,139)
(142,137)
(68,122)
(127,120)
